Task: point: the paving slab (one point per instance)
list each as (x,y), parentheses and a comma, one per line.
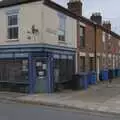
(100,97)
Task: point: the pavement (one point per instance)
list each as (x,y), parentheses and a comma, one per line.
(98,98)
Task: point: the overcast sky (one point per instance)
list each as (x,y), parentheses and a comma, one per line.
(109,9)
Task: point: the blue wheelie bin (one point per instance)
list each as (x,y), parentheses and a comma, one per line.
(101,76)
(118,72)
(94,78)
(110,74)
(89,78)
(84,80)
(114,75)
(105,74)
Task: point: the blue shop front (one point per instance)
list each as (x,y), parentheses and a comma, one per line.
(35,68)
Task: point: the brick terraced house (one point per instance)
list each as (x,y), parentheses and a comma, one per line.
(97,46)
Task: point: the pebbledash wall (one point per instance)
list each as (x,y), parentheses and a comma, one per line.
(37,60)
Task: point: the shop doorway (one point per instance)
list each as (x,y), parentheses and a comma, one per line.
(41,82)
(91,64)
(98,68)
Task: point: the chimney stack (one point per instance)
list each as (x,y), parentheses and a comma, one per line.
(96,17)
(107,25)
(75,6)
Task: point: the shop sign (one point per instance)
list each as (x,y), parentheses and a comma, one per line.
(20,55)
(6,55)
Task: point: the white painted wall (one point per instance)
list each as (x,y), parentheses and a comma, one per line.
(29,14)
(46,21)
(51,25)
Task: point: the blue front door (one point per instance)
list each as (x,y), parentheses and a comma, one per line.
(41,78)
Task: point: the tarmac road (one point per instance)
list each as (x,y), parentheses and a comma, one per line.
(17,111)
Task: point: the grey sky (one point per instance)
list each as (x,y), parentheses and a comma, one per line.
(109,9)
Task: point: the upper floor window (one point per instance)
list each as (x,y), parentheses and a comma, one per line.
(117,61)
(82,36)
(61,32)
(104,60)
(13,27)
(109,60)
(104,39)
(109,36)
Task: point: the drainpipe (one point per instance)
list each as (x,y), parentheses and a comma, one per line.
(95,52)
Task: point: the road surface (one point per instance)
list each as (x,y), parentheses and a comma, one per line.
(17,111)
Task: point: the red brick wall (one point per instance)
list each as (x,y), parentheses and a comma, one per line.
(89,43)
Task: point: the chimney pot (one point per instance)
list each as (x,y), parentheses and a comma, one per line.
(75,6)
(107,25)
(96,17)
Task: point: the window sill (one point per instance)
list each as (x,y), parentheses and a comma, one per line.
(12,40)
(62,42)
(82,47)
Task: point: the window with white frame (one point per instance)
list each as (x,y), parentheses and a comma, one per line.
(104,60)
(103,36)
(116,61)
(109,60)
(82,36)
(62,24)
(109,36)
(119,61)
(13,28)
(104,39)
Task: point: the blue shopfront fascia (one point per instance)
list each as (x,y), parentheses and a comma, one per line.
(22,51)
(31,52)
(28,47)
